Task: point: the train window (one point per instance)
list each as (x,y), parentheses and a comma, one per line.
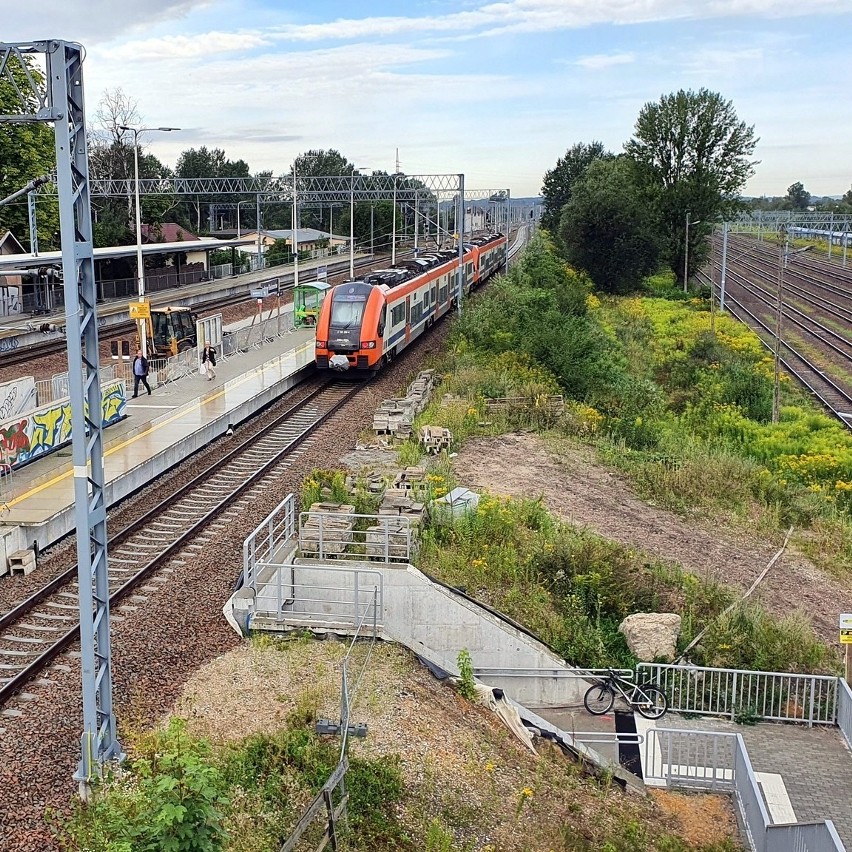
(398,315)
(442,296)
(347,310)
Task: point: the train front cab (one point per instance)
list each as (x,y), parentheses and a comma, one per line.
(350,328)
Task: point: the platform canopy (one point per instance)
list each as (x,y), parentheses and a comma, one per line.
(15,264)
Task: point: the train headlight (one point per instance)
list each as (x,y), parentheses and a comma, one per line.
(321,344)
(368,344)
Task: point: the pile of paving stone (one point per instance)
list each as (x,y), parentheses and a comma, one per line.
(435,438)
(328,530)
(395,416)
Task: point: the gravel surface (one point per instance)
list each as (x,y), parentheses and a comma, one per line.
(160,635)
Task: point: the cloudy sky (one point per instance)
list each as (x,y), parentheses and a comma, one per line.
(496,90)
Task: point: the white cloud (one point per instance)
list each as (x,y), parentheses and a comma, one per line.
(187,47)
(604,60)
(91,21)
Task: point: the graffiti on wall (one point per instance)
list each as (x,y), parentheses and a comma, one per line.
(39,432)
(17,397)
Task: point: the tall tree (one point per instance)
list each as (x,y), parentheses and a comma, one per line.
(694,157)
(111,156)
(607,229)
(206,162)
(798,198)
(559,182)
(26,152)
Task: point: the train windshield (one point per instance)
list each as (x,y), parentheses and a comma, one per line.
(347,310)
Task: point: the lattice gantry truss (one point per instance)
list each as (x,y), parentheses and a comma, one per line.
(55,96)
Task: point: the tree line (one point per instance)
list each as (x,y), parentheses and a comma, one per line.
(619,216)
(27,151)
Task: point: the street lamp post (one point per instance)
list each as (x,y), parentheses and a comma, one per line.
(244,201)
(140,269)
(686,253)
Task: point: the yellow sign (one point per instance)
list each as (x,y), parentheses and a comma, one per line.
(139,310)
(846,637)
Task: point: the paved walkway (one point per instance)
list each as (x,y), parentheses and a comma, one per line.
(806,769)
(814,763)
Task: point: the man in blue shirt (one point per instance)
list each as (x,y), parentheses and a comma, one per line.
(140,373)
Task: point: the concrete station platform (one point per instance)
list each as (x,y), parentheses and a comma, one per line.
(179,418)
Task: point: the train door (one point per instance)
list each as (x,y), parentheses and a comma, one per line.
(407,319)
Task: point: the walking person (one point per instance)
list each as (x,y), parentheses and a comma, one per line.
(140,373)
(208,361)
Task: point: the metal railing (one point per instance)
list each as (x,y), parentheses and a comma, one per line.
(272,534)
(775,696)
(255,336)
(844,710)
(318,596)
(701,759)
(719,761)
(387,539)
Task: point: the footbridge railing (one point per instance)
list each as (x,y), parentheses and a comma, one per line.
(738,693)
(711,760)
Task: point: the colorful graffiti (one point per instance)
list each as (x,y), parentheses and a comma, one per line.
(24,439)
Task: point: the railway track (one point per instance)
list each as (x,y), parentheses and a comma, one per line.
(835,398)
(40,628)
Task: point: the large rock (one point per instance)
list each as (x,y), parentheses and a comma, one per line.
(651,635)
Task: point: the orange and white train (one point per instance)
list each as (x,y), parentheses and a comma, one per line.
(363,324)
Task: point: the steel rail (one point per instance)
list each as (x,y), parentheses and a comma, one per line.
(829,385)
(68,577)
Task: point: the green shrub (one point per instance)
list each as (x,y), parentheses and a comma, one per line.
(170,798)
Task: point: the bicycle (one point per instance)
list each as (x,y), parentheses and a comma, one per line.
(649,700)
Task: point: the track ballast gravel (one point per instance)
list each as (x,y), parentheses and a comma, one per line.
(161,634)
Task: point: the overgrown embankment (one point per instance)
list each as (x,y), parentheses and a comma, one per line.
(680,402)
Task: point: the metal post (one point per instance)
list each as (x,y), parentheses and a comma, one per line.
(257,218)
(352,225)
(508,229)
(98,741)
(686,257)
(31,203)
(776,351)
(140,267)
(415,221)
(460,232)
(830,234)
(724,266)
(372,211)
(393,229)
(845,244)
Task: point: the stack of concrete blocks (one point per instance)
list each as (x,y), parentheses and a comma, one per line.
(404,509)
(554,404)
(328,529)
(373,482)
(22,562)
(435,438)
(395,417)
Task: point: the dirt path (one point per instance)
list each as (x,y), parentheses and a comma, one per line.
(578,489)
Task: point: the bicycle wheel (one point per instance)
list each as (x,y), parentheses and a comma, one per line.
(650,701)
(599,698)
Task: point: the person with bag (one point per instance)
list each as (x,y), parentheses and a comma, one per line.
(208,362)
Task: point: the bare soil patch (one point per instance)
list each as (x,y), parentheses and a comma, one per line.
(578,489)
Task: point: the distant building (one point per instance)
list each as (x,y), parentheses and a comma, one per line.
(11,297)
(171,232)
(309,239)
